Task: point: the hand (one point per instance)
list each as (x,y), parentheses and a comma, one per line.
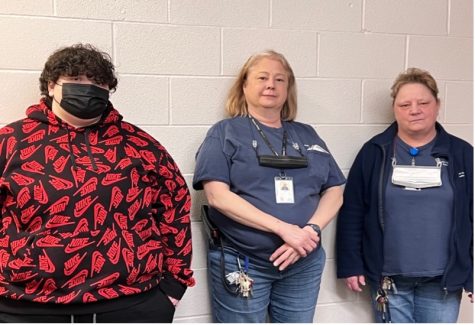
(311,230)
(353,283)
(302,241)
(470,296)
(173,301)
(284,256)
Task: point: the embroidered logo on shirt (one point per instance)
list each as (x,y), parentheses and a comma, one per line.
(315,147)
(461,174)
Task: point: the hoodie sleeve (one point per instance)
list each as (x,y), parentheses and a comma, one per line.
(173,204)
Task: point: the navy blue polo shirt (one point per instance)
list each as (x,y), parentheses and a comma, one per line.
(227,155)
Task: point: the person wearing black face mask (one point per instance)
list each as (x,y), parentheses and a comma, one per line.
(84,101)
(84,197)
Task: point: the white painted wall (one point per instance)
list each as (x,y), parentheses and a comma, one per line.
(177,58)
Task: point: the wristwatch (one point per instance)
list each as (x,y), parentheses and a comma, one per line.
(316,228)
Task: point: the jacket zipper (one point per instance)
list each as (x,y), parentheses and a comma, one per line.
(380,190)
(452,232)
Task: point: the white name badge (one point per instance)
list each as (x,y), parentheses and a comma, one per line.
(284,189)
(417,176)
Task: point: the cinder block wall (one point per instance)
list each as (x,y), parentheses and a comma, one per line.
(177,58)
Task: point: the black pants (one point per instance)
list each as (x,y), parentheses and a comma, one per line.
(156,309)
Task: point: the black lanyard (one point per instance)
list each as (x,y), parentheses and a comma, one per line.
(266,140)
(275,161)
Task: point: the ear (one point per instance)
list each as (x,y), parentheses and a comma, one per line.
(51,85)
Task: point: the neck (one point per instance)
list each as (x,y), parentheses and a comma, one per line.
(269,118)
(417,140)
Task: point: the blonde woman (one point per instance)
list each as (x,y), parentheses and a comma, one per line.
(272,186)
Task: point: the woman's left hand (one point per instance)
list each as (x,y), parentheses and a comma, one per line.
(284,256)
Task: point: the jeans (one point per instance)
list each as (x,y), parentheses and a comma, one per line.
(419,300)
(288,296)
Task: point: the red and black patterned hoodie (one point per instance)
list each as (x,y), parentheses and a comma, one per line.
(89,216)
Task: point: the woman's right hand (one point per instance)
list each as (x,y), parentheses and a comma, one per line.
(298,238)
(353,283)
(284,256)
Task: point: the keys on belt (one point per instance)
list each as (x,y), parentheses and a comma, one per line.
(241,279)
(382,299)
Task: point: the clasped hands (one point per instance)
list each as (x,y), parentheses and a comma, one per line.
(299,242)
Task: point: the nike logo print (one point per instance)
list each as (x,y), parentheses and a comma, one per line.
(97,262)
(137,141)
(107,281)
(72,264)
(60,163)
(88,187)
(48,241)
(28,152)
(111,155)
(111,131)
(32,286)
(37,136)
(28,127)
(58,221)
(39,193)
(33,167)
(77,244)
(114,252)
(22,180)
(81,206)
(50,153)
(59,206)
(112,178)
(133,193)
(113,141)
(60,183)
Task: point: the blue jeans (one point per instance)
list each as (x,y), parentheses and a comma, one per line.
(420,300)
(288,296)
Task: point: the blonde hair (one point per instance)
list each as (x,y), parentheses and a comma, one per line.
(418,76)
(236,103)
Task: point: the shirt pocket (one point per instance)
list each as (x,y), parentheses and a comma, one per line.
(319,165)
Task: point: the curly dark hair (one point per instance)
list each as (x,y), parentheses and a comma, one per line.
(75,60)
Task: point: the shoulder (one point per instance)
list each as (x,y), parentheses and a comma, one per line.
(135,135)
(14,128)
(305,132)
(461,150)
(303,127)
(228,126)
(454,143)
(460,143)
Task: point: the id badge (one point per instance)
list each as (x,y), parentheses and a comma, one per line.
(417,176)
(284,189)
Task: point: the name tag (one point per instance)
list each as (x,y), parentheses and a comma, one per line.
(284,189)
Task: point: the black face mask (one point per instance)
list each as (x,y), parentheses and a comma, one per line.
(83,100)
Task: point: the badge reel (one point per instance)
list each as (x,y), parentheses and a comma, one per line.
(416,177)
